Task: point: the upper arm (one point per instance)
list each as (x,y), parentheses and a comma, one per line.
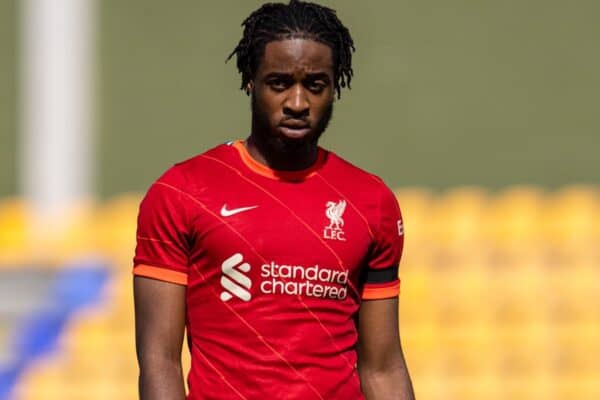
(378,314)
(159,319)
(160,269)
(381,365)
(378,334)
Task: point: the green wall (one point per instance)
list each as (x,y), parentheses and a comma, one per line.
(445,93)
(8,93)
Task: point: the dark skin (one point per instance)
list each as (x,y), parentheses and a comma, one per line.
(159,329)
(292,100)
(381,365)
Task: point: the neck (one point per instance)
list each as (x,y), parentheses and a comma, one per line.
(279,155)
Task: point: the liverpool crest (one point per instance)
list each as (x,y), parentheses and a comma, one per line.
(334,211)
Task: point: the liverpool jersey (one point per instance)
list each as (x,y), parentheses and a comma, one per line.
(276,264)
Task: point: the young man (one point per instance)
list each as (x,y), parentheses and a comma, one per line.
(280,258)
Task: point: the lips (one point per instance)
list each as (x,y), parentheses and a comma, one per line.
(294,129)
(295,124)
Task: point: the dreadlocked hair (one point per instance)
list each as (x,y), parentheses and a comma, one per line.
(298,19)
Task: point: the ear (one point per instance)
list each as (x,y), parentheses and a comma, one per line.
(250,87)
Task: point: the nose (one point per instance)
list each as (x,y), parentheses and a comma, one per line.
(296,104)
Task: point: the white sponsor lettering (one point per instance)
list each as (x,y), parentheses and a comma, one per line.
(400,228)
(293,280)
(314,281)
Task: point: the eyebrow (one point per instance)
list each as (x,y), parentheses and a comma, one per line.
(313,75)
(318,75)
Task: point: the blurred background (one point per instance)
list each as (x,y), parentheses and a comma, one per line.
(483,116)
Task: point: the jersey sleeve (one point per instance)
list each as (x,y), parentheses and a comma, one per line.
(380,278)
(162,240)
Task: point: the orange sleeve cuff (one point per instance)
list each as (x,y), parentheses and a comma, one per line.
(162,274)
(376,292)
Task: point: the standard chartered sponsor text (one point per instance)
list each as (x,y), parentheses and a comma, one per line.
(314,281)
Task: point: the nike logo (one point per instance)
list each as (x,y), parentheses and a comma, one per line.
(228,213)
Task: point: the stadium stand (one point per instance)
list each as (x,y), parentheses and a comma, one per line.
(500,296)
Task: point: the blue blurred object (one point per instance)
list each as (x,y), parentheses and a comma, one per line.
(74,287)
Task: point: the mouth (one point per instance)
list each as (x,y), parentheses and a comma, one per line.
(295,129)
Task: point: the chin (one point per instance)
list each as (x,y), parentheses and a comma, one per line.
(296,144)
(286,145)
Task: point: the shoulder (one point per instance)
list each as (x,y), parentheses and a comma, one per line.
(354,179)
(191,172)
(367,192)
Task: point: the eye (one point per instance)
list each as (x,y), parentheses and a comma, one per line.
(316,86)
(277,84)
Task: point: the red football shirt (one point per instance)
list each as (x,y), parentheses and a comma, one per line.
(276,264)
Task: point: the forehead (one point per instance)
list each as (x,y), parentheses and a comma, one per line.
(291,55)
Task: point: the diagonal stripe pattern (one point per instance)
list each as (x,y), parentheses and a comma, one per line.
(308,309)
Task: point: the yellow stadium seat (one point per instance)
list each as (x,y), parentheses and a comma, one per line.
(117,224)
(416,205)
(416,294)
(526,348)
(499,296)
(577,347)
(526,386)
(431,385)
(513,220)
(519,291)
(186,361)
(461,292)
(14,235)
(49,240)
(574,292)
(470,348)
(578,387)
(122,289)
(570,219)
(422,346)
(456,218)
(477,385)
(42,380)
(103,388)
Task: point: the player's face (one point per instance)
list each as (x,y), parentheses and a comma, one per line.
(292,92)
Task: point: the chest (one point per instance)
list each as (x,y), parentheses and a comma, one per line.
(295,224)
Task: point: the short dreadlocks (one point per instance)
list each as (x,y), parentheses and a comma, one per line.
(298,19)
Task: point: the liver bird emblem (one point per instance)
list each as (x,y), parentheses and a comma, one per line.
(334,213)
